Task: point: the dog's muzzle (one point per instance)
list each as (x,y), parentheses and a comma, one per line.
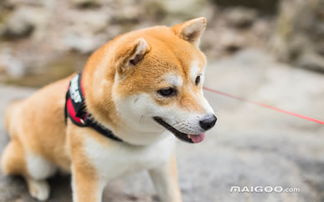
(191,138)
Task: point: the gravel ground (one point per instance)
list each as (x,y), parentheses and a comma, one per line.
(250,146)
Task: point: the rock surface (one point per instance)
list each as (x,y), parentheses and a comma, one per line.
(250,146)
(55,29)
(299,33)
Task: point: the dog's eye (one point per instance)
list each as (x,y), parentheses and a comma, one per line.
(197,81)
(167,92)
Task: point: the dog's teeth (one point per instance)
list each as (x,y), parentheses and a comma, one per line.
(188,136)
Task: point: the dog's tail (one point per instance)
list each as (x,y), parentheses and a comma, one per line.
(9,116)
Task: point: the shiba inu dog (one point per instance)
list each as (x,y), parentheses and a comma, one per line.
(118,116)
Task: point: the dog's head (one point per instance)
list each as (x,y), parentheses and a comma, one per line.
(158,80)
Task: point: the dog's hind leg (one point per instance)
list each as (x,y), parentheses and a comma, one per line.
(38,170)
(38,189)
(13,160)
(35,169)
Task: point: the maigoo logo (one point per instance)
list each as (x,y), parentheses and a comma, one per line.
(74,90)
(263,189)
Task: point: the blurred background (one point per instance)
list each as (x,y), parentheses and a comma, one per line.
(270,51)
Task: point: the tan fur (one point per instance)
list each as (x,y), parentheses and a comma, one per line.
(36,124)
(10,110)
(87,186)
(13,159)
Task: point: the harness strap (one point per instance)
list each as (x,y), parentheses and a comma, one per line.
(75,109)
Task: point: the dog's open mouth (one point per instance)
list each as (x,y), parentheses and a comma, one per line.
(191,138)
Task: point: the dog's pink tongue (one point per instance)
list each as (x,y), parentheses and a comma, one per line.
(197,138)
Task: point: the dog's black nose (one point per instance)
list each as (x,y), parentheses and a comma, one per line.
(208,122)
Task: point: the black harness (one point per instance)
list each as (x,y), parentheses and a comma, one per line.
(75,109)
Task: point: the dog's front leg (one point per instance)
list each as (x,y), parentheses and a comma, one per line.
(165,180)
(86,184)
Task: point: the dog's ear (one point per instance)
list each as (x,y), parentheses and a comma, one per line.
(133,55)
(191,30)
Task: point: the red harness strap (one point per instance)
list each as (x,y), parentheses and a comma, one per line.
(75,109)
(71,112)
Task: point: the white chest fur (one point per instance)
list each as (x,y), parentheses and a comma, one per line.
(117,159)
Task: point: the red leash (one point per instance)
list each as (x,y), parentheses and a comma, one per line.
(264,105)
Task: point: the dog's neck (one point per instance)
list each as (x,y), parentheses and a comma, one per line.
(138,137)
(98,96)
